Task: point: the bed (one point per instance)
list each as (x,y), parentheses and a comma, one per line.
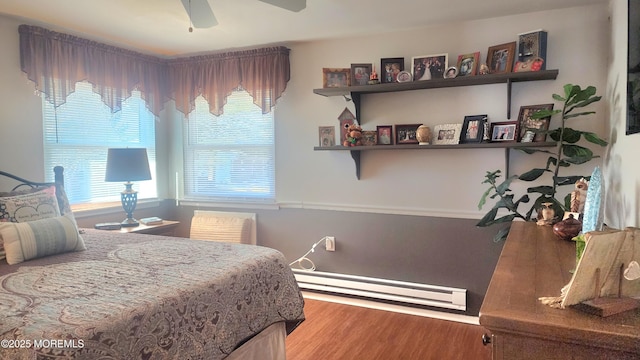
(136,296)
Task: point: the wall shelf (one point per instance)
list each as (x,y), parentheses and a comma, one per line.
(507,146)
(355,93)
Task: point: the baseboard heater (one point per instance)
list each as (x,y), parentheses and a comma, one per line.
(383,289)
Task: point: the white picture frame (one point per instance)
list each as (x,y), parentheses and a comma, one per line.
(447,134)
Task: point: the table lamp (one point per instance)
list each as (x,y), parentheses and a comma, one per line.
(128,165)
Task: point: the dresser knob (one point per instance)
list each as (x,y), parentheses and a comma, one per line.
(486,339)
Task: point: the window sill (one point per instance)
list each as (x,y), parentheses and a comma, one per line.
(92,209)
(233,205)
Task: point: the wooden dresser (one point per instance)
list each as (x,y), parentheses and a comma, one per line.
(535,263)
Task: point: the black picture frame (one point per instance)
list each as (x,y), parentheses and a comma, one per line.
(537,127)
(406,134)
(633,69)
(385,134)
(390,74)
(473,129)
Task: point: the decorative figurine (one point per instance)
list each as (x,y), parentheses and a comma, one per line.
(484,69)
(373,78)
(579,196)
(546,215)
(568,228)
(423,135)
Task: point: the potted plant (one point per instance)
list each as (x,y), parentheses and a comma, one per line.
(566,153)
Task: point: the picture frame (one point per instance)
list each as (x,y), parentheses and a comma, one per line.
(500,58)
(473,129)
(360,74)
(468,64)
(404,76)
(533,130)
(504,131)
(633,65)
(436,64)
(336,77)
(532,46)
(384,134)
(446,134)
(451,72)
(327,136)
(369,137)
(406,134)
(390,68)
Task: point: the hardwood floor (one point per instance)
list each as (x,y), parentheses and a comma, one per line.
(334,331)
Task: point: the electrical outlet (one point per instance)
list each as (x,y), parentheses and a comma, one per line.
(330,243)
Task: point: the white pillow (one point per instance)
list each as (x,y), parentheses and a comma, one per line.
(40,238)
(30,206)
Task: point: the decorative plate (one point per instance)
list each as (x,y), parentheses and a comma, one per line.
(404,76)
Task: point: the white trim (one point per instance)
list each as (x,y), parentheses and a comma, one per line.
(473,320)
(109,210)
(457,214)
(214,204)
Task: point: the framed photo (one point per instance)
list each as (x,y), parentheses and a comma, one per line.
(336,77)
(451,72)
(468,64)
(530,129)
(404,76)
(427,67)
(500,58)
(505,131)
(445,134)
(360,74)
(369,137)
(385,134)
(473,129)
(327,136)
(406,134)
(390,68)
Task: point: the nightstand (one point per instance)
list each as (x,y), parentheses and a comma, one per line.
(167,228)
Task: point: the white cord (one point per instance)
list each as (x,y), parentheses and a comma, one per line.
(304,257)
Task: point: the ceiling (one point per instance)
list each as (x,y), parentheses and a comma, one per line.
(160,27)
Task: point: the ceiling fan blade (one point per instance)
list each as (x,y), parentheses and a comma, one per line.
(291,5)
(200,13)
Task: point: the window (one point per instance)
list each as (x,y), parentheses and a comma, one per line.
(229,158)
(78,133)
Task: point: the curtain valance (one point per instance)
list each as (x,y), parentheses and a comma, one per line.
(56,61)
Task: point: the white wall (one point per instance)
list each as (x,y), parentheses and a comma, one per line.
(621,170)
(437,182)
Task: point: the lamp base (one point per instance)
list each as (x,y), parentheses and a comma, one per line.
(129,222)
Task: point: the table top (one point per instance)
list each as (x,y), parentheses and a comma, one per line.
(535,263)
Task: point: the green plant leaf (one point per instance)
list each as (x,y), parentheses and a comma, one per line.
(523,199)
(555,134)
(544,190)
(483,199)
(532,174)
(594,139)
(571,136)
(502,188)
(502,234)
(488,218)
(570,91)
(578,114)
(585,103)
(533,150)
(544,113)
(558,98)
(551,161)
(567,180)
(576,160)
(567,201)
(582,96)
(576,151)
(504,219)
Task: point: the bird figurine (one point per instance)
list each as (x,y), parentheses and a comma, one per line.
(579,196)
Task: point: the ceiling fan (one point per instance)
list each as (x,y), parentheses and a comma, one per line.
(202,17)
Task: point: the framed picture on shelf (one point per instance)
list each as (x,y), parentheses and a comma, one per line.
(473,129)
(332,77)
(369,137)
(385,134)
(390,68)
(446,134)
(504,131)
(533,130)
(327,136)
(451,72)
(468,64)
(406,134)
(360,74)
(427,67)
(500,58)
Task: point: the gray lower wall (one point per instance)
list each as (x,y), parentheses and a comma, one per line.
(427,250)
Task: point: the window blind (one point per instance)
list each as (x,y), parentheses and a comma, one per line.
(78,133)
(231,157)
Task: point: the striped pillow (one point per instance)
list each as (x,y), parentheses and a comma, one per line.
(40,238)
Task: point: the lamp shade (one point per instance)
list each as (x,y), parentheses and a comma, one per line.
(127,164)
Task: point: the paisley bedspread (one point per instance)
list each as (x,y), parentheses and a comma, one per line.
(135,296)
